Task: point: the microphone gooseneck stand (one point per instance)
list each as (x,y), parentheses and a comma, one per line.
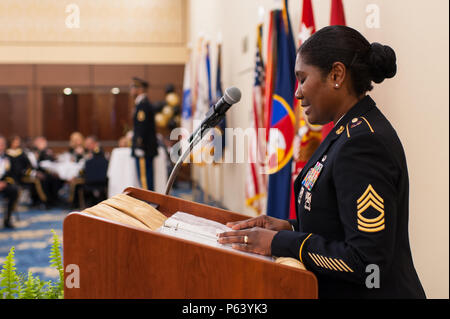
(214,116)
(194,139)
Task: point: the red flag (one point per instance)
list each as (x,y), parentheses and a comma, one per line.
(337,13)
(307,27)
(337,18)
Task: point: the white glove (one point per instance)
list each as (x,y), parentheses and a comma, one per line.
(139,152)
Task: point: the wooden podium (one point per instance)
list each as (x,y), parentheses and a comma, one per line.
(120,261)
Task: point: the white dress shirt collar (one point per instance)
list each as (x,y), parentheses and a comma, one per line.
(340,119)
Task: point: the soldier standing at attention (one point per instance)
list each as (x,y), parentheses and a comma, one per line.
(144,144)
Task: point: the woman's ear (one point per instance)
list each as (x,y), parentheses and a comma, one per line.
(337,74)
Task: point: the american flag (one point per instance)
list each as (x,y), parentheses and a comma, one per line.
(256,184)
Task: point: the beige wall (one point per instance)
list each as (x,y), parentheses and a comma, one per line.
(100,31)
(416,101)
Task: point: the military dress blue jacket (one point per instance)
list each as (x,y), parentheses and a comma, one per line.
(352,200)
(144,130)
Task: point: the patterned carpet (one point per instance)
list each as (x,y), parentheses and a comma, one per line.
(32,237)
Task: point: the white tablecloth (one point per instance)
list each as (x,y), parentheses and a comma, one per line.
(122,172)
(160,171)
(66,170)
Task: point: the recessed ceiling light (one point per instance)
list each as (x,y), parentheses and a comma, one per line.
(67,91)
(115,90)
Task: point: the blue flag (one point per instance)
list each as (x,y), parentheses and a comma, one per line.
(186,106)
(218,154)
(282,120)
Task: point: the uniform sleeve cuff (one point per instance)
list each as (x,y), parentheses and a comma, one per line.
(294,224)
(287,243)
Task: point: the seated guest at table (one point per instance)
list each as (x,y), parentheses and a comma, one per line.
(23,172)
(45,159)
(8,186)
(40,144)
(95,172)
(76,149)
(38,152)
(92,147)
(20,163)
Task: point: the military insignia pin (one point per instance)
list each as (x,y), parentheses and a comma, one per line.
(355,122)
(340,130)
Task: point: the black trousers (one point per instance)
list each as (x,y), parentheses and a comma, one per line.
(10,193)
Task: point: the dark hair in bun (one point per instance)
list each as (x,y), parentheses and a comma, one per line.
(382,62)
(366,62)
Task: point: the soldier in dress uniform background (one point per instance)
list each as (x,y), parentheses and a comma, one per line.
(95,172)
(25,174)
(92,147)
(144,143)
(51,182)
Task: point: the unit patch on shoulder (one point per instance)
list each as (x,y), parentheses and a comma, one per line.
(373,204)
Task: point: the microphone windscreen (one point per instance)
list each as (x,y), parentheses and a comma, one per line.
(232,95)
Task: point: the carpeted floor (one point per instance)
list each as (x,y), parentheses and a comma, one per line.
(32,237)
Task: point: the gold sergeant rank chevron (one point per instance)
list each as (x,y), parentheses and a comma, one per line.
(370,198)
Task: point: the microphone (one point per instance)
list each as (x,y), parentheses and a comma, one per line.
(232,95)
(217,111)
(214,116)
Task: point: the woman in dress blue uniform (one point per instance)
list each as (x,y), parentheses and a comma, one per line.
(352,196)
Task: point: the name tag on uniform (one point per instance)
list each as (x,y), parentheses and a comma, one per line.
(312,176)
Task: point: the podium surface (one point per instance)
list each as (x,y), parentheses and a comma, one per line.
(120,261)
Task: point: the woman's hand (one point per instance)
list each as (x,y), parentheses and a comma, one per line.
(262,221)
(254,235)
(255,240)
